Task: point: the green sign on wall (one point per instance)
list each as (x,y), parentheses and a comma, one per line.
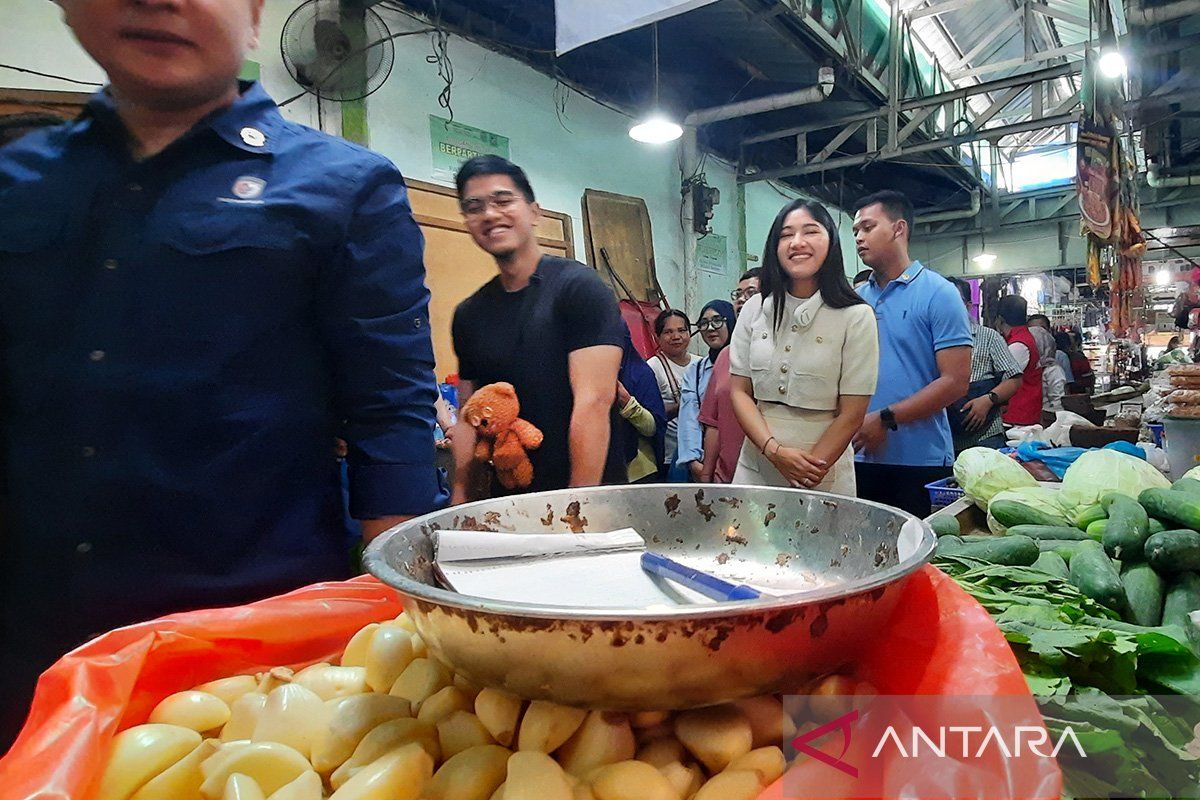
(712,253)
(453,143)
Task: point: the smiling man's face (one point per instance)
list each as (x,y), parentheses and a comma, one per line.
(498,215)
(167,53)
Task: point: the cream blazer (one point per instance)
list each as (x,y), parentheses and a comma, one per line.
(818,353)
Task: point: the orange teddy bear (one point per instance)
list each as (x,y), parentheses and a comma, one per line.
(503,437)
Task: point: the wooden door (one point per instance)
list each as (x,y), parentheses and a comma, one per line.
(455,266)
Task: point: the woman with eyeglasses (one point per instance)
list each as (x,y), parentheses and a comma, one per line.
(804,360)
(674,332)
(715,326)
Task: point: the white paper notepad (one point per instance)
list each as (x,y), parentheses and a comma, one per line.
(589,570)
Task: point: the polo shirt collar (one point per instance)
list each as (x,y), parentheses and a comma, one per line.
(909,275)
(252,123)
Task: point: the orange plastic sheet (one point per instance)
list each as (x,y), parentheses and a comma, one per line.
(940,642)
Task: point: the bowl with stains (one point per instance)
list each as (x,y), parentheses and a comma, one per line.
(834,566)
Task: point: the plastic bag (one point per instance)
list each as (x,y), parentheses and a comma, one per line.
(1059,432)
(1024,433)
(940,641)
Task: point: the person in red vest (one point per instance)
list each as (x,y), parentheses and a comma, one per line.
(1025,407)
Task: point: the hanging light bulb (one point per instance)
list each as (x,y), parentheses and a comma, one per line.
(656,127)
(1112,63)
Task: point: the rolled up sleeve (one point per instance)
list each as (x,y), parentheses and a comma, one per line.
(375,313)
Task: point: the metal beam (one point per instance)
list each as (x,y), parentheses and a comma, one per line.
(913,123)
(996,107)
(785,133)
(1024,79)
(836,142)
(924,147)
(1048,206)
(1063,107)
(1054,13)
(1042,57)
(852,48)
(934,101)
(939,8)
(797,16)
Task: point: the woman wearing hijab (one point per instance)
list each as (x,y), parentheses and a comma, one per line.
(716,324)
(804,360)
(645,418)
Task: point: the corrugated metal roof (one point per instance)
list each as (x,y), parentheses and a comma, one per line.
(987,40)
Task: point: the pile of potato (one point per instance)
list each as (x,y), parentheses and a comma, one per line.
(391,723)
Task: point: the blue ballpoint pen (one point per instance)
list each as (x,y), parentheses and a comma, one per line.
(694,579)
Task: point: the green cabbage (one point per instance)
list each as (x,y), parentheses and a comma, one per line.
(1193,473)
(982,472)
(1098,472)
(1045,500)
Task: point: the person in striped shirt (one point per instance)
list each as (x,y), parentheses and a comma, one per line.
(992,362)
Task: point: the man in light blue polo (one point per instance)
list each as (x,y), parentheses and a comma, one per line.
(924,361)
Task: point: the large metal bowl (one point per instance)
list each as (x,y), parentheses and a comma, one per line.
(626,658)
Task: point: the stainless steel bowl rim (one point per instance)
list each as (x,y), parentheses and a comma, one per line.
(377,565)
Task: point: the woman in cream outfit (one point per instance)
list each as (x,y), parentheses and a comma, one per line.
(804,360)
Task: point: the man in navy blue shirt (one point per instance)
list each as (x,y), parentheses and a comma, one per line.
(196,297)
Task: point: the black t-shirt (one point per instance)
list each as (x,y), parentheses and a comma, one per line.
(525,338)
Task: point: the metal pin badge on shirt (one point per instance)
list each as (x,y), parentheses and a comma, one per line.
(248,187)
(253,137)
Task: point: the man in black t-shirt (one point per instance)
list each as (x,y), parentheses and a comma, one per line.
(548,326)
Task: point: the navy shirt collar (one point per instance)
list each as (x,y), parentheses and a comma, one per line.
(252,123)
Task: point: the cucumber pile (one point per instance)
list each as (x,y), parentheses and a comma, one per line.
(1139,558)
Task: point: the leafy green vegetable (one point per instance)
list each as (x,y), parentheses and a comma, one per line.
(983,472)
(1098,472)
(1065,640)
(1074,653)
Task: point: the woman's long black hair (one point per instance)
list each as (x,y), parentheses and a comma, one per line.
(831,277)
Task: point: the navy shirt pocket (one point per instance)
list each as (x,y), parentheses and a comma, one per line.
(216,267)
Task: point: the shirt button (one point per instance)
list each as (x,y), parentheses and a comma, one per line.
(795,328)
(88,452)
(819,340)
(782,389)
(764,336)
(787,349)
(783,369)
(96,355)
(83,548)
(417,323)
(110,263)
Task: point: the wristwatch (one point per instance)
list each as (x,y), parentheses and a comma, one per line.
(995,398)
(888,419)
